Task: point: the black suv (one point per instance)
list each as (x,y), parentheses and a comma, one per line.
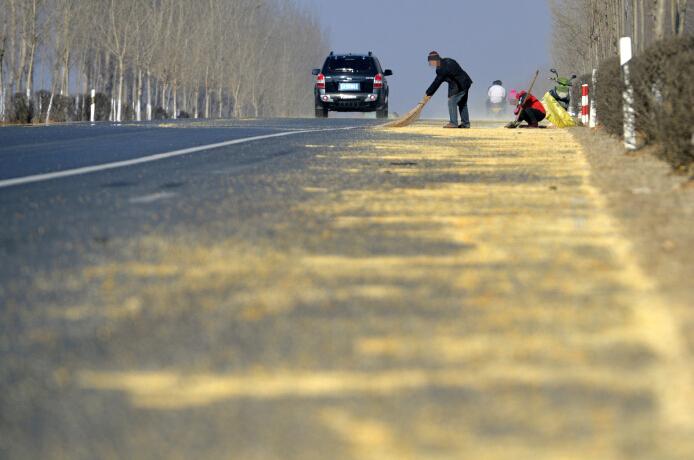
(351,83)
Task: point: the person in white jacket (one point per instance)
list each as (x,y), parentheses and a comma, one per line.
(496,94)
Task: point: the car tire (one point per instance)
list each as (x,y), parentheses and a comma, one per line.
(382,113)
(321,112)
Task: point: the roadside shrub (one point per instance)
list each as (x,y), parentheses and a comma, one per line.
(608,93)
(663,81)
(62,108)
(102,107)
(42,99)
(83,107)
(22,109)
(127,112)
(158,113)
(664,94)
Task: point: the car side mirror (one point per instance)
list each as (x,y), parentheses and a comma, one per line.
(387,72)
(553,70)
(316,71)
(573,76)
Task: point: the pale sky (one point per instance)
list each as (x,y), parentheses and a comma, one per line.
(491,39)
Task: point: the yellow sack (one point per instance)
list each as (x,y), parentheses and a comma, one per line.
(556,113)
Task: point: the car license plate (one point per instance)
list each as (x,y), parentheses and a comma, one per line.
(348,87)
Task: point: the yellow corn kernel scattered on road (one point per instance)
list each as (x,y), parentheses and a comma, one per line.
(482,304)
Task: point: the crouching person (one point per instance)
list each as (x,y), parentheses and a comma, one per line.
(531,110)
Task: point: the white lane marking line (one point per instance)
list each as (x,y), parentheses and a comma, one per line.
(152,198)
(159,156)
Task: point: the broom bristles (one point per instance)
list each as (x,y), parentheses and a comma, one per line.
(410,117)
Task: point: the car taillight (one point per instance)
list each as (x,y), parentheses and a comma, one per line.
(378,81)
(320,81)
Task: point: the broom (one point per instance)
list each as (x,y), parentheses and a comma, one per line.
(516,123)
(410,117)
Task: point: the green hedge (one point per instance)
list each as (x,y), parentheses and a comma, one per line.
(663,81)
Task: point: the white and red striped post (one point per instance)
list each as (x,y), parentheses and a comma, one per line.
(585,105)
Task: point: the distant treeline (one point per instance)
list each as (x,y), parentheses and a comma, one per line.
(207,58)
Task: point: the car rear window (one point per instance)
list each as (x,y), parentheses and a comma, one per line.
(349,64)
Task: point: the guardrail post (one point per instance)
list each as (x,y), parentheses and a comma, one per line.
(628,95)
(593,109)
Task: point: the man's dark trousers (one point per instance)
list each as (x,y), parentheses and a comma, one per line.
(458,103)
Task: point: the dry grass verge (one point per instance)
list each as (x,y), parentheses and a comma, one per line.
(656,209)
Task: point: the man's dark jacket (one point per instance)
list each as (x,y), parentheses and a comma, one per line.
(449,71)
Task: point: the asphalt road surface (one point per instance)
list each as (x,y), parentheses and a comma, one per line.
(166,166)
(311,289)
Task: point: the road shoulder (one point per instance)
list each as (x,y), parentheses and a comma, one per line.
(655,211)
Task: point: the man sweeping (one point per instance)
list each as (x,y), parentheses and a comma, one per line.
(459,83)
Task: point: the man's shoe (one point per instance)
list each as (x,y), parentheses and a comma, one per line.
(450,126)
(464,127)
(532,125)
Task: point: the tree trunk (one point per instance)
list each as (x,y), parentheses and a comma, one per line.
(636,32)
(643,24)
(10,44)
(65,88)
(3,44)
(237,106)
(207,103)
(164,101)
(661,12)
(138,95)
(149,96)
(55,80)
(120,89)
(30,70)
(220,92)
(48,111)
(184,104)
(2,90)
(175,100)
(678,11)
(207,93)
